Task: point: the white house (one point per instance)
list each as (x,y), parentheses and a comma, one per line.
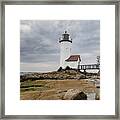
(66,59)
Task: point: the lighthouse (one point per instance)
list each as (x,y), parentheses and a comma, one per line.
(66,59)
(65,48)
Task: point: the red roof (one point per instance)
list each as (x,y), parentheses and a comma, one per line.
(73,58)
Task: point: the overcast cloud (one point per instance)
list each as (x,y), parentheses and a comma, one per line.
(39,46)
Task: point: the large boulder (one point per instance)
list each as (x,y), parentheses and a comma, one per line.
(75,94)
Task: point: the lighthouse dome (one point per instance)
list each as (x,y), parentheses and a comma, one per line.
(65,37)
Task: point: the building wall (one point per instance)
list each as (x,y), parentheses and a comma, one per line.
(65,52)
(73,64)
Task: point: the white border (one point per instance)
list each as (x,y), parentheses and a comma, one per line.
(15,13)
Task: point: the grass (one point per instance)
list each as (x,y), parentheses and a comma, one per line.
(51,89)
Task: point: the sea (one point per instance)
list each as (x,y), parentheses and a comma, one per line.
(23,73)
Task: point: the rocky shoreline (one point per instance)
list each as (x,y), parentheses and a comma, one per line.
(60,75)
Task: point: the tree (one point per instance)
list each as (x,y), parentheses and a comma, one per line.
(98,60)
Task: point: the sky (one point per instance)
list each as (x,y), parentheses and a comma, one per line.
(40,47)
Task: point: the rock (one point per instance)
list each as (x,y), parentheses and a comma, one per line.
(91,96)
(75,94)
(61,91)
(82,76)
(64,74)
(97,96)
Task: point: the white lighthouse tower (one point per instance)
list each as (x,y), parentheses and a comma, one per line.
(65,48)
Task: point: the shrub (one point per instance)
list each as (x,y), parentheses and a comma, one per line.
(67,68)
(60,69)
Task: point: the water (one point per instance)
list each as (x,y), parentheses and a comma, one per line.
(23,73)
